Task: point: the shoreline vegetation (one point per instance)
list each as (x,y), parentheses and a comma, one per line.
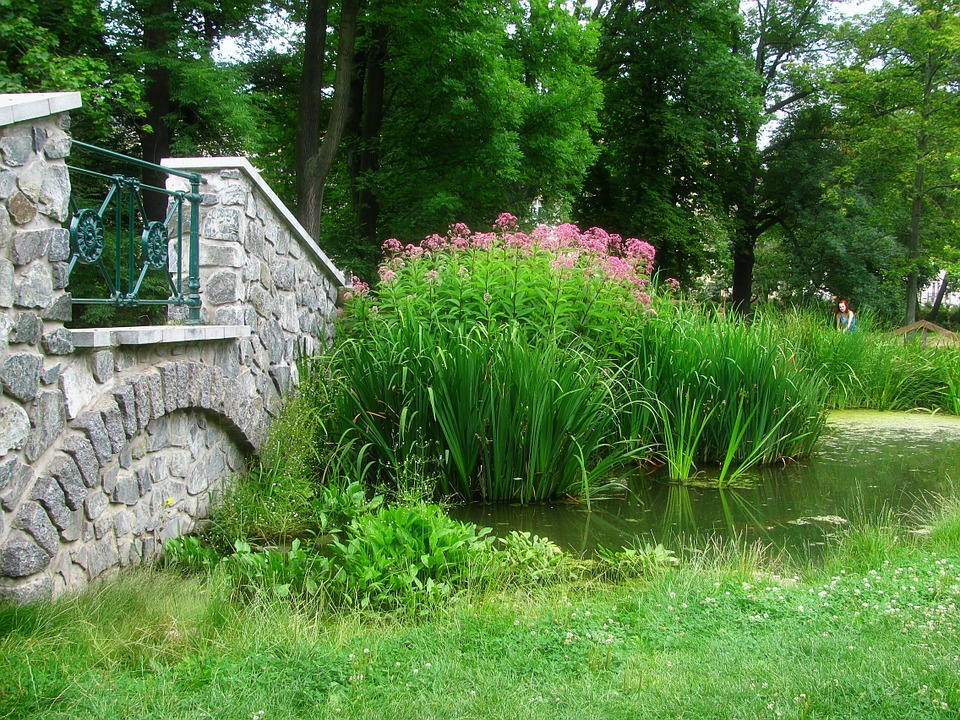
(870,632)
(517,367)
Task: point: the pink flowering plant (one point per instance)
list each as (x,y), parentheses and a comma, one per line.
(479,356)
(548,282)
(531,366)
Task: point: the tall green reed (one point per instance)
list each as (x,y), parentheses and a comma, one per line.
(727,393)
(492,417)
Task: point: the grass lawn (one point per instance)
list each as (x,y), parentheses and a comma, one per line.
(871,632)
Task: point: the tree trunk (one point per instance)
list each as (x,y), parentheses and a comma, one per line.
(318,166)
(916,209)
(311,95)
(155,133)
(744,259)
(939,299)
(368,209)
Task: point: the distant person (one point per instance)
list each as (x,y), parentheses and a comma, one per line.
(846,320)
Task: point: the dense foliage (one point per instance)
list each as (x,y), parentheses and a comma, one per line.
(769,150)
(529,366)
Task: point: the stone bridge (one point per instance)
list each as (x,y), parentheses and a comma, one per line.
(113,440)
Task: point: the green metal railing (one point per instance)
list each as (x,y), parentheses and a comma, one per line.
(132,260)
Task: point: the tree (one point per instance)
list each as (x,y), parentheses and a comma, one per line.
(675,96)
(902,110)
(456,113)
(695,84)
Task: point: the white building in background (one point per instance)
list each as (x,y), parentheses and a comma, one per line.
(929,294)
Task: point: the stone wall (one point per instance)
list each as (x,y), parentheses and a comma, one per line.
(113,440)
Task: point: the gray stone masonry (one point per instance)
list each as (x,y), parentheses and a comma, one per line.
(113,441)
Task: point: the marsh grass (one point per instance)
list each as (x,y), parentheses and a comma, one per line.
(731,631)
(871,370)
(491,418)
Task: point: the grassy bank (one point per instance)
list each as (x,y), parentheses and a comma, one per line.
(869,633)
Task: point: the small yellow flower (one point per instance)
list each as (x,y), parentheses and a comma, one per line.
(170,501)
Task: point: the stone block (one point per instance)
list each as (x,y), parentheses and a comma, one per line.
(280,375)
(79,389)
(51,375)
(49,418)
(233,195)
(58,342)
(8,183)
(81,450)
(61,278)
(227,359)
(223,287)
(67,474)
(20,556)
(54,201)
(30,180)
(17,150)
(110,476)
(57,146)
(171,385)
(35,289)
(28,329)
(33,590)
(103,526)
(271,335)
(264,303)
(20,375)
(141,391)
(113,422)
(21,209)
(15,477)
(127,403)
(59,245)
(126,491)
(158,407)
(101,365)
(49,493)
(158,436)
(33,519)
(97,558)
(144,481)
(253,243)
(122,524)
(284,275)
(7,295)
(212,255)
(94,505)
(221,224)
(30,245)
(14,427)
(91,422)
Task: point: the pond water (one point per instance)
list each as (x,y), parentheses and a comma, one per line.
(867,464)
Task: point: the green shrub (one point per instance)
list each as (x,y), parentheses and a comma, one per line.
(405,557)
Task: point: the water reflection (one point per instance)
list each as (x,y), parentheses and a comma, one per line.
(868,464)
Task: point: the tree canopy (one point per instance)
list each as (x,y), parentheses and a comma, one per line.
(769,147)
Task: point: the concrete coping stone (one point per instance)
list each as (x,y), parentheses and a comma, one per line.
(155,335)
(18,107)
(241,163)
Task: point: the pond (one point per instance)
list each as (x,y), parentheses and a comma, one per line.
(868,464)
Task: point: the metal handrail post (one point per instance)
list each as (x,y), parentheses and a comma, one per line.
(193,281)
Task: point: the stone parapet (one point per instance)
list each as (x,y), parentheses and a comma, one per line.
(114,439)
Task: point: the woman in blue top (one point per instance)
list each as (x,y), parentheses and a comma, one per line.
(846,320)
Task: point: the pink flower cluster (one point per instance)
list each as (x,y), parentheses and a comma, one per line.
(359,288)
(595,251)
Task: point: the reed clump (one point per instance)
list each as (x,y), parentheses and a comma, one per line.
(516,366)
